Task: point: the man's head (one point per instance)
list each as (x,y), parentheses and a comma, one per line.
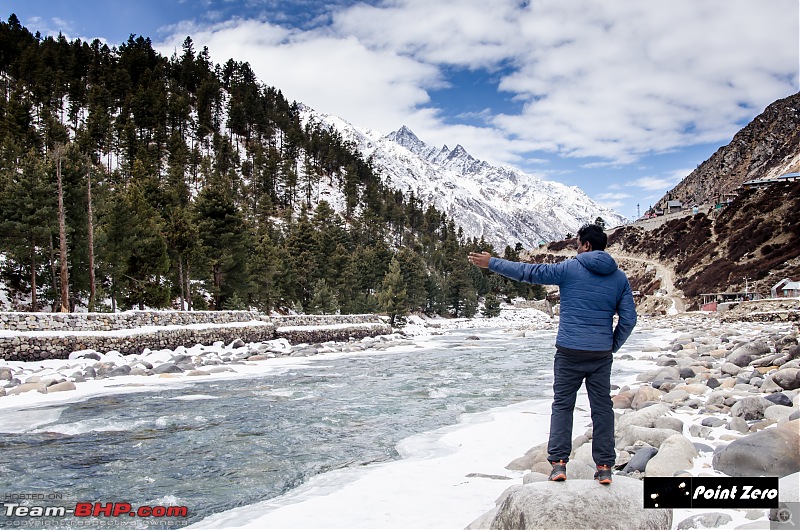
(591,237)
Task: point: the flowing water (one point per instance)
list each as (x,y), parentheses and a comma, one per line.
(218,445)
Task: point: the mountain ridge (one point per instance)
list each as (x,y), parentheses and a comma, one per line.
(500,204)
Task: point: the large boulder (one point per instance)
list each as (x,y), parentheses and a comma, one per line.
(576,504)
(675,454)
(745,353)
(645,417)
(773,452)
(751,408)
(644,396)
(639,460)
(651,436)
(787,378)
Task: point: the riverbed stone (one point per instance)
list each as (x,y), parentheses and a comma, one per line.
(61,387)
(787,378)
(167,368)
(551,505)
(675,453)
(772,452)
(704,520)
(639,460)
(750,408)
(27,387)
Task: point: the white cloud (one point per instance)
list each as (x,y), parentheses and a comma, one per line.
(610,80)
(653,183)
(609,196)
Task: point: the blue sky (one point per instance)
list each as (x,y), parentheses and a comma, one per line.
(620,98)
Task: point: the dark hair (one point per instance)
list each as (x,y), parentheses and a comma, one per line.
(594,235)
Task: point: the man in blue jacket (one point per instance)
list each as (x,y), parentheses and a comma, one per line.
(593,290)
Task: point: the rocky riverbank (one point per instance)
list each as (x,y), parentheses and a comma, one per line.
(720,400)
(112,367)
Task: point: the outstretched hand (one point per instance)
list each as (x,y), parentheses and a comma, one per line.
(480,260)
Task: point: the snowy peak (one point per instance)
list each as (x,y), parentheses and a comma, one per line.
(406,137)
(502,205)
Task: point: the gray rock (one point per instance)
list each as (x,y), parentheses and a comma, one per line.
(751,350)
(61,387)
(705,520)
(668,422)
(119,371)
(643,418)
(699,431)
(639,460)
(237,343)
(779,398)
(650,436)
(89,355)
(730,368)
(89,372)
(702,448)
(712,421)
(549,505)
(770,452)
(750,408)
(167,368)
(534,477)
(27,387)
(787,378)
(712,382)
(5,374)
(739,425)
(523,463)
(778,412)
(675,454)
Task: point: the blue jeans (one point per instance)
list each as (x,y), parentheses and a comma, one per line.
(569,372)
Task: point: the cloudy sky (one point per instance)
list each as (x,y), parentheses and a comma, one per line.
(621,98)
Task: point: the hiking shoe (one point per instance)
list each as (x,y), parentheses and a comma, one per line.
(559,471)
(603,474)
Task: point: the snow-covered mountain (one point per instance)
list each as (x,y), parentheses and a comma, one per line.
(503,205)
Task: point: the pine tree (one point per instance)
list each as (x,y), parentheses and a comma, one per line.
(136,251)
(324,301)
(225,241)
(491,306)
(28,203)
(392,296)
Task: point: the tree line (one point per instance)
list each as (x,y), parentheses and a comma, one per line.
(132,180)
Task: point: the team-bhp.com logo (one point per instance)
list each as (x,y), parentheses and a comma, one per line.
(96,509)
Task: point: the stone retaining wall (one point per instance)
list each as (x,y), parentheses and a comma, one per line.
(22,337)
(38,347)
(13,321)
(766,310)
(336,333)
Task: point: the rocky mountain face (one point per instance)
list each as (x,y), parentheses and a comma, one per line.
(503,205)
(769,146)
(756,237)
(750,244)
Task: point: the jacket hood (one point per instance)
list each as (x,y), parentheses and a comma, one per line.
(598,262)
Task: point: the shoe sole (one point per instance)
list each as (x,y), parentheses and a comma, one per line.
(605,482)
(558,478)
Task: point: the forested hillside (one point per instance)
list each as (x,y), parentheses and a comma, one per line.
(129,179)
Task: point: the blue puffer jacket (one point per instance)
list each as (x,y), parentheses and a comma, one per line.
(593,289)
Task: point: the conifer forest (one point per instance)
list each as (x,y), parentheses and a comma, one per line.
(132,180)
